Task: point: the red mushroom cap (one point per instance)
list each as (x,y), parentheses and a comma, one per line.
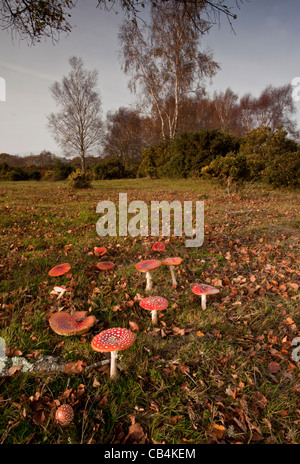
(100,251)
(113,339)
(63,323)
(64,415)
(59,270)
(105,265)
(152,303)
(171,261)
(203,289)
(158,246)
(148,265)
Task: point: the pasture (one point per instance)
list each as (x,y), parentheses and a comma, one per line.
(220,375)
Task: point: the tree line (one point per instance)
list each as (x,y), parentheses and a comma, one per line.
(169,73)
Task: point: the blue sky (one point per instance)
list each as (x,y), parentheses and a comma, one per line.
(263,50)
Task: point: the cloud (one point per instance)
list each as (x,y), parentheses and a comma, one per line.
(29,72)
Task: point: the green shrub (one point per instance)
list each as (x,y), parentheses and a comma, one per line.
(284,170)
(34,175)
(233,166)
(256,165)
(194,150)
(154,161)
(267,143)
(18,174)
(187,154)
(49,175)
(112,168)
(62,170)
(80,179)
(5,171)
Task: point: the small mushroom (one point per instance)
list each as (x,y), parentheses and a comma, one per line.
(203,290)
(59,291)
(147,266)
(172,262)
(66,324)
(154,304)
(105,265)
(64,415)
(158,246)
(100,251)
(113,340)
(59,270)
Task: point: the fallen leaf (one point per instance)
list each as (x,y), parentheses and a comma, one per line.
(274,367)
(135,433)
(216,431)
(175,419)
(134,326)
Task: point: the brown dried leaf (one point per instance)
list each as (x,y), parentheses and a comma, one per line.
(134,326)
(38,417)
(74,367)
(135,434)
(274,367)
(175,419)
(12,370)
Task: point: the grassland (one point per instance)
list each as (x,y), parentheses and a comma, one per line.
(220,375)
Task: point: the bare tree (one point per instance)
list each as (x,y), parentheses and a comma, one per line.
(78,126)
(165,62)
(33,19)
(126,135)
(226,105)
(275,108)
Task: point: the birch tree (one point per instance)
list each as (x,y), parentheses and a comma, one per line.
(165,63)
(77,127)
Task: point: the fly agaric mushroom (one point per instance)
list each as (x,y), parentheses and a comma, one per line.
(147,266)
(203,290)
(100,251)
(172,262)
(66,324)
(113,340)
(154,304)
(158,246)
(105,265)
(59,270)
(64,415)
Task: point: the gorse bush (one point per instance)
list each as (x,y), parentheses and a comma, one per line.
(186,155)
(62,170)
(263,154)
(112,168)
(5,171)
(18,174)
(232,165)
(284,170)
(154,160)
(80,179)
(34,175)
(267,143)
(195,150)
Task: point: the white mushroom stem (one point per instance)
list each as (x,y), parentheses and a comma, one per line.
(203,301)
(113,363)
(154,317)
(174,281)
(149,281)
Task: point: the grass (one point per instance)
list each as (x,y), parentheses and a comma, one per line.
(201,376)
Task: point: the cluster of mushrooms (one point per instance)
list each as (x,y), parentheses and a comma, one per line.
(115,339)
